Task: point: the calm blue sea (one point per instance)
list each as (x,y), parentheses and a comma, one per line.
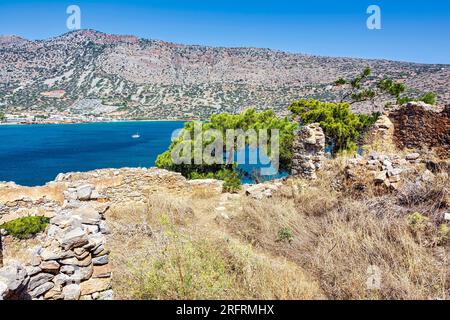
(33,155)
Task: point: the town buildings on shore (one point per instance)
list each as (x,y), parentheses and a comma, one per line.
(27,118)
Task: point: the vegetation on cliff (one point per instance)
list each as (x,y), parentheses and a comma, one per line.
(363,88)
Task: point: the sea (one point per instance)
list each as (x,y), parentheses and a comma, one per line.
(33,155)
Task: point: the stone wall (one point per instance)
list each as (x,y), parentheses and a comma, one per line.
(130,184)
(118,185)
(421,126)
(308,151)
(72,263)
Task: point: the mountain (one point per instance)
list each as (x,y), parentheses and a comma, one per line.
(89,72)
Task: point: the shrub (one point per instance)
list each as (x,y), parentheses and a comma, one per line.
(428,98)
(417,222)
(285,234)
(184,263)
(23,228)
(232,183)
(443,234)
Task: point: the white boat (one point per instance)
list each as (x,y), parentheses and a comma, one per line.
(136,136)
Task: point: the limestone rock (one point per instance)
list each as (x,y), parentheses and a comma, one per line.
(61,279)
(308,151)
(76,262)
(38,280)
(103,271)
(13,278)
(74,238)
(106,295)
(67,269)
(52,253)
(95,285)
(91,228)
(71,292)
(103,227)
(32,270)
(88,214)
(4,291)
(101,260)
(41,289)
(412,156)
(54,293)
(82,273)
(84,192)
(49,266)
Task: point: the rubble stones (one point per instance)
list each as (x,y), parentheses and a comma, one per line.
(386,170)
(99,261)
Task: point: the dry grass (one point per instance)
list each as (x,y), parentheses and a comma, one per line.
(19,250)
(337,237)
(173,249)
(168,250)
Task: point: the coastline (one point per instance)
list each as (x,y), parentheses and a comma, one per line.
(88,122)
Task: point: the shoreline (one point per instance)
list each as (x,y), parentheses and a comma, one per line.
(89,122)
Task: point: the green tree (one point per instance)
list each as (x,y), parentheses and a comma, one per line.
(342,127)
(358,91)
(2,117)
(429,98)
(249,119)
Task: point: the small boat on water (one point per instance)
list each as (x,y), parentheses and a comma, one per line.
(136,136)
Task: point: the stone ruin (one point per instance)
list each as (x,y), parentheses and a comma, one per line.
(308,150)
(423,127)
(73,261)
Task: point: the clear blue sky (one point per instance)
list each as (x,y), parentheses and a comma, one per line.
(412,30)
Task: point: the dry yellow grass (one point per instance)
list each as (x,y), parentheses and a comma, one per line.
(338,236)
(172,249)
(19,250)
(322,240)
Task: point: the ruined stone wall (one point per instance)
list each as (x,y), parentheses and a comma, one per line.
(308,151)
(118,185)
(420,126)
(72,263)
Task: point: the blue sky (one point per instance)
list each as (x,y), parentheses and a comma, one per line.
(412,30)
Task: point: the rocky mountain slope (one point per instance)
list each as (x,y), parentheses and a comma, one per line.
(88,72)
